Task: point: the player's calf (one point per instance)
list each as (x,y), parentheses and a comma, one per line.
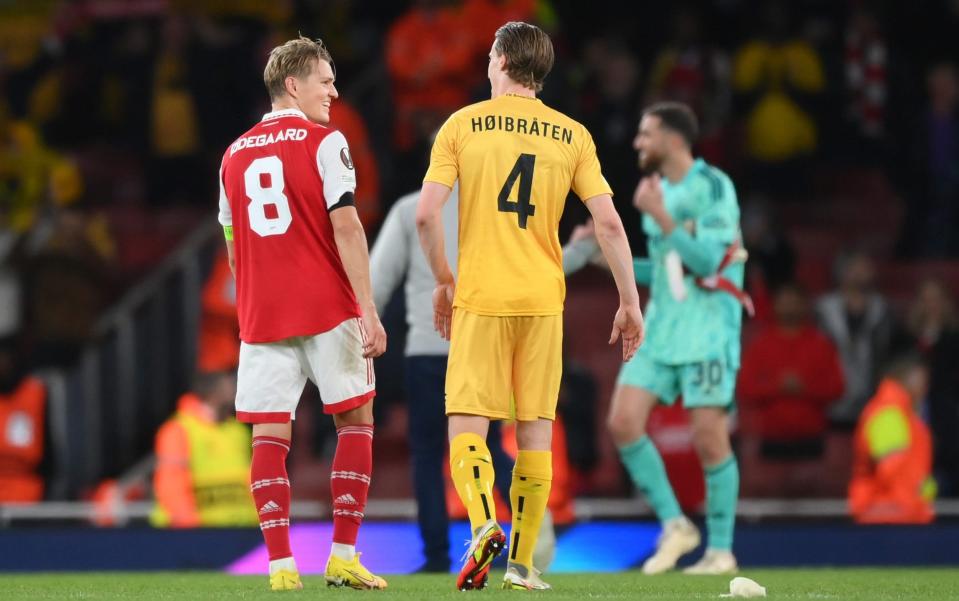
(271,494)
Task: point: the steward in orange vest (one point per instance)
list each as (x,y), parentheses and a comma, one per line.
(22,417)
(218,345)
(892,452)
(21,441)
(202,475)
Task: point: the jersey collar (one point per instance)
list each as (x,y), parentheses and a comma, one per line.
(521,97)
(283,113)
(697,165)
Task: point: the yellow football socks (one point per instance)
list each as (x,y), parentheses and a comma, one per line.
(532,477)
(471,468)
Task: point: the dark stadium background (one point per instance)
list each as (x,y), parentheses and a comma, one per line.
(114,115)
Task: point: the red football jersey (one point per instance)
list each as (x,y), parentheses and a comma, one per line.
(277,184)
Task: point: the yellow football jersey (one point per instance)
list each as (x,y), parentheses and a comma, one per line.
(516,160)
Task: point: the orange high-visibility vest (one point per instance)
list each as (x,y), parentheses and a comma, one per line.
(21,442)
(891,486)
(203,470)
(219,340)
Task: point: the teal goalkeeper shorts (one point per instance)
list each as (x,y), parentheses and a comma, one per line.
(710,383)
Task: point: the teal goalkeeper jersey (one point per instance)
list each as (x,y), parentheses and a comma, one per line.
(706,324)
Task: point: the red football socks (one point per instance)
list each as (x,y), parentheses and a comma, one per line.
(350,480)
(271,493)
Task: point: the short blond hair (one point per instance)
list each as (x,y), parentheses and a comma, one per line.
(294,58)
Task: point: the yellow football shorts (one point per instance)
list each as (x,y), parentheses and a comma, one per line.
(494,360)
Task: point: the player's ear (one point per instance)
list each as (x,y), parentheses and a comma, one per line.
(499,59)
(676,140)
(290,84)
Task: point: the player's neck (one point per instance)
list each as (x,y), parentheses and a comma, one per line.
(676,167)
(283,105)
(512,88)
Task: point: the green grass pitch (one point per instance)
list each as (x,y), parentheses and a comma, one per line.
(855,584)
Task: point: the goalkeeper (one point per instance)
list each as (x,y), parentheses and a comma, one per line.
(695,274)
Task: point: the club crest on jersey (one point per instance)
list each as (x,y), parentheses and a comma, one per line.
(346,158)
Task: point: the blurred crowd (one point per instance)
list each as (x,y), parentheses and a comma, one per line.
(114,116)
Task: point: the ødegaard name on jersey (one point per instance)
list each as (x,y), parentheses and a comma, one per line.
(266,139)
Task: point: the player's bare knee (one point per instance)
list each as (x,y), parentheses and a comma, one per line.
(624,428)
(283,430)
(460,423)
(712,446)
(626,421)
(358,416)
(534,435)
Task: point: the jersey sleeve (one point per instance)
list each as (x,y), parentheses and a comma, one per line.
(588,180)
(336,168)
(443,165)
(643,270)
(226,216)
(719,222)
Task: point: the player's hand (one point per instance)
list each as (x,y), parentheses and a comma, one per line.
(648,196)
(583,231)
(629,324)
(443,308)
(374,336)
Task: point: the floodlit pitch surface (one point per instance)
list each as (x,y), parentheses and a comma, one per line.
(866,584)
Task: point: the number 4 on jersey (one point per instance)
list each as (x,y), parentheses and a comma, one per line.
(523,169)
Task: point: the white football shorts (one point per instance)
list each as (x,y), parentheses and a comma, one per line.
(272,375)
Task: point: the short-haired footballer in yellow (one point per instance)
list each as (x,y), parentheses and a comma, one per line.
(516,161)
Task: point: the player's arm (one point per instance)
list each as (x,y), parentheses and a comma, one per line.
(339,184)
(351,243)
(437,186)
(580,248)
(590,185)
(612,241)
(389,258)
(701,254)
(429,224)
(231,253)
(225,217)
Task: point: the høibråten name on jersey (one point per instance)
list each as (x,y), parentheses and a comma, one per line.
(531,127)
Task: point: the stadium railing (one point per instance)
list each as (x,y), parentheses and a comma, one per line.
(103,413)
(586,510)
